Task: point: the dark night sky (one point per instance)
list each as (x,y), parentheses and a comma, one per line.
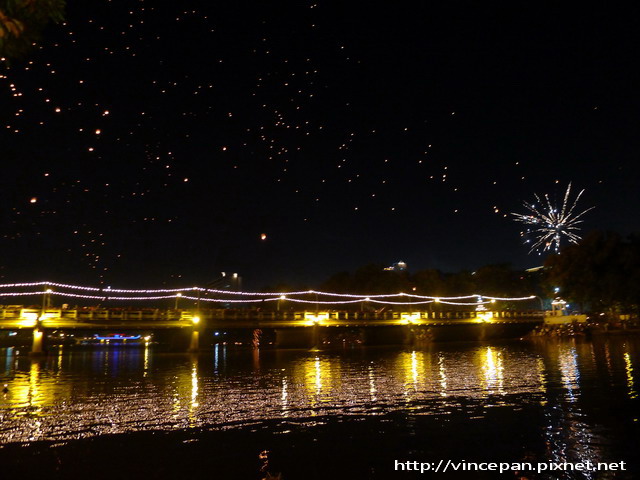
(152,143)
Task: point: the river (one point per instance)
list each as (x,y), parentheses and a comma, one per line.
(344,413)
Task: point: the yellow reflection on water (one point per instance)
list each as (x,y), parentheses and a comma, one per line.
(284,396)
(493,369)
(185,391)
(372,384)
(569,371)
(28,393)
(31,392)
(629,371)
(60,352)
(320,376)
(411,365)
(54,397)
(194,384)
(145,367)
(443,375)
(317,376)
(542,379)
(414,368)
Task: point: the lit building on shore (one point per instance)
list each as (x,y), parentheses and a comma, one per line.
(397,267)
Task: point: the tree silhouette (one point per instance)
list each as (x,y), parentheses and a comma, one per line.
(600,273)
(22,23)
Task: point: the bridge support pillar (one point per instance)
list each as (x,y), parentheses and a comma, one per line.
(316,339)
(194,345)
(483,333)
(36,345)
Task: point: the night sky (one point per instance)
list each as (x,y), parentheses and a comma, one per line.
(154,143)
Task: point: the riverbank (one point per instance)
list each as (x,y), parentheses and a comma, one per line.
(585,330)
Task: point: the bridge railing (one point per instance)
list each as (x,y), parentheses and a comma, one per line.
(116,315)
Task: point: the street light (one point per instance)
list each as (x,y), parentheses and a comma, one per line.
(178,295)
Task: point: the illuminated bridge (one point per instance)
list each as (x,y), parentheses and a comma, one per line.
(301,328)
(287,317)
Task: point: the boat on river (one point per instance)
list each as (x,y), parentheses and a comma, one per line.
(113,339)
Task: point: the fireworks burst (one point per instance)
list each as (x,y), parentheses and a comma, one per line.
(549,224)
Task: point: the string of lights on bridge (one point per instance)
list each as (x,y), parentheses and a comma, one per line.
(196,294)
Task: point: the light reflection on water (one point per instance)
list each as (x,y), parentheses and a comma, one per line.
(81,394)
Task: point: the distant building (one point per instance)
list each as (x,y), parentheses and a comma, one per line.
(397,267)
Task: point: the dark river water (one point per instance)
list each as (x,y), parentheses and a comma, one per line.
(352,413)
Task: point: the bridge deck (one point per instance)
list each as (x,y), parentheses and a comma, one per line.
(17,317)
